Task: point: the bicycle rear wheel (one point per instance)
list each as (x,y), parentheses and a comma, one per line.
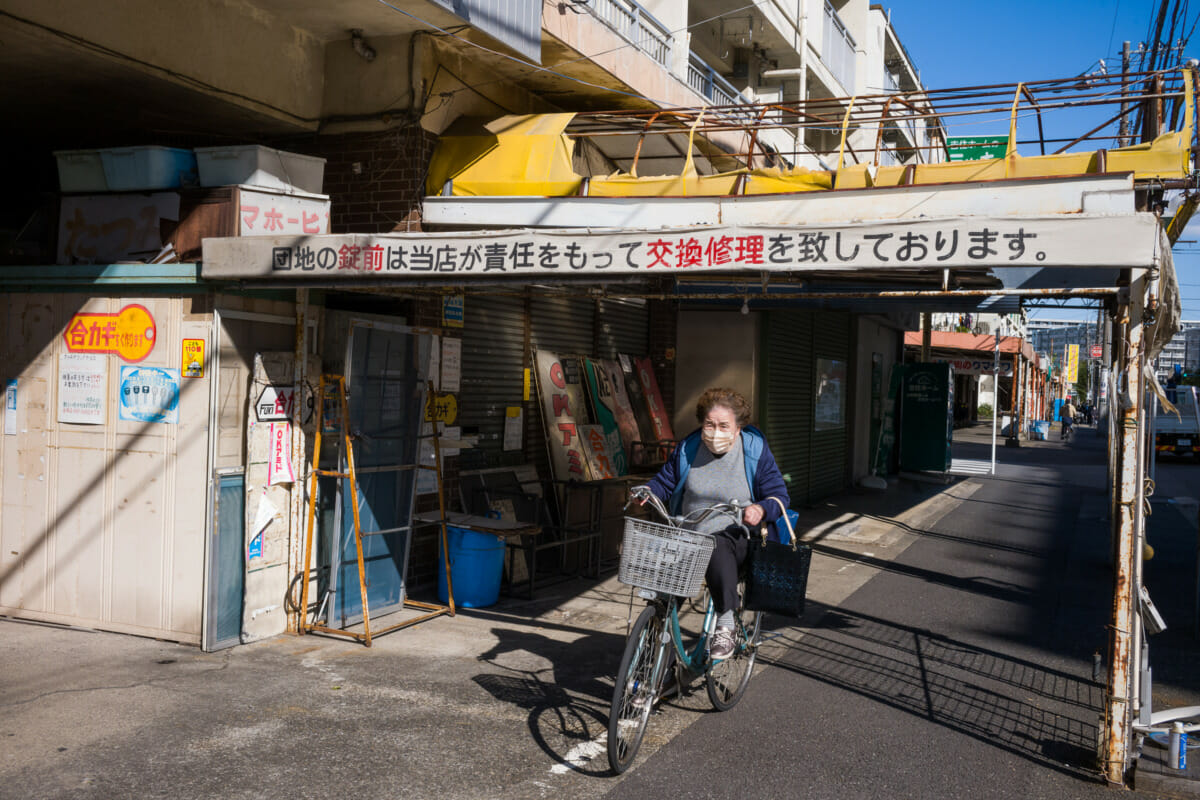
(633,695)
(727,680)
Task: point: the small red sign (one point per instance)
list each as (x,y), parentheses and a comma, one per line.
(1097,351)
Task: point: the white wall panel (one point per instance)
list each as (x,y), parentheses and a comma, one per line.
(102,525)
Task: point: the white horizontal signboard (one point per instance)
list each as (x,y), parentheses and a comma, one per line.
(979,366)
(1061,241)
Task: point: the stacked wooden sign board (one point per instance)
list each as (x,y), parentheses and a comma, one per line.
(602,416)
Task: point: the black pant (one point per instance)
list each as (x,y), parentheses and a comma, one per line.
(729,552)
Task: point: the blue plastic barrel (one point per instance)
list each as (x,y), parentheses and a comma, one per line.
(476,565)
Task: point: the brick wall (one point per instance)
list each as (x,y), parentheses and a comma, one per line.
(375,181)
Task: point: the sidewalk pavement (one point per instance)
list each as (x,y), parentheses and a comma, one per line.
(507,701)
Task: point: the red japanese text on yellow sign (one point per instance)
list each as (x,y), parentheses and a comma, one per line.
(191,359)
(129,333)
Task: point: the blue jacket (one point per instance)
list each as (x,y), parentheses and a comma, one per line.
(762,474)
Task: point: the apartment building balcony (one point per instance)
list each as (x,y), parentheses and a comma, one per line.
(709,84)
(640,51)
(838,49)
(637,26)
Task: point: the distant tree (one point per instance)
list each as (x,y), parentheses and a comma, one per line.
(1082,385)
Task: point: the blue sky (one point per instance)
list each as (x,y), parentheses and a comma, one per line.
(971,43)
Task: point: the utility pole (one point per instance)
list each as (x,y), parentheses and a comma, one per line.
(926,335)
(1014,426)
(1123,130)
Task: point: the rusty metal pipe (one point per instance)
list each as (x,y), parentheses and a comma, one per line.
(589,289)
(1118,706)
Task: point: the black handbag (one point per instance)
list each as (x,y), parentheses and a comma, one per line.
(777,573)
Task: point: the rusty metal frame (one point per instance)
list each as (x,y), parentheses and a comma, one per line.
(315,471)
(1152,104)
(303,626)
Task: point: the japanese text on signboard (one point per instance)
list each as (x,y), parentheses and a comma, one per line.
(699,251)
(923,243)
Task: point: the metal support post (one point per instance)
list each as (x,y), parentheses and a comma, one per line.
(300,380)
(1127,529)
(995,396)
(1014,424)
(926,335)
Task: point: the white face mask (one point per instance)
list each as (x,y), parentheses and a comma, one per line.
(718,442)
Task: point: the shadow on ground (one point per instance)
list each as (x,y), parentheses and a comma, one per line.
(1041,714)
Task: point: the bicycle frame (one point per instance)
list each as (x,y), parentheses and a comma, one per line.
(657,634)
(696,660)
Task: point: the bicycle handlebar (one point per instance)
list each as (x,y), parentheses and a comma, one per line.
(732,509)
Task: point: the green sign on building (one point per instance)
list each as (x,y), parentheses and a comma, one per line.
(975,148)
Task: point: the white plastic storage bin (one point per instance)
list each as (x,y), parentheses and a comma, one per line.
(133,169)
(255,165)
(80,171)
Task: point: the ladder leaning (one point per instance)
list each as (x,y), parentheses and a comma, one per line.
(333,387)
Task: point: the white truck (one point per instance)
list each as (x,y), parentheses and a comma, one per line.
(1178,436)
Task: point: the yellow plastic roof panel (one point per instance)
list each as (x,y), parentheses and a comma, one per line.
(687,185)
(778,181)
(519,155)
(1165,157)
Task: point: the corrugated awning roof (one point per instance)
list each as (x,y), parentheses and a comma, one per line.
(971,342)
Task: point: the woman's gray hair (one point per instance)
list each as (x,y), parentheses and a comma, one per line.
(729,398)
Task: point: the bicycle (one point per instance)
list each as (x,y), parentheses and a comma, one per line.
(665,563)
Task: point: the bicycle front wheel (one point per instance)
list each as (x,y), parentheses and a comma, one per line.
(634,694)
(727,680)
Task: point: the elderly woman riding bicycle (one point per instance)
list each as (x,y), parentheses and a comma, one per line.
(725,460)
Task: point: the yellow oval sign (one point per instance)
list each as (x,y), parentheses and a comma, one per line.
(129,333)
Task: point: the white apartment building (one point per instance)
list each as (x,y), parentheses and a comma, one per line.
(982,323)
(782,52)
(1183,349)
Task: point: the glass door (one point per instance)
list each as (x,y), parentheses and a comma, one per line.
(386,367)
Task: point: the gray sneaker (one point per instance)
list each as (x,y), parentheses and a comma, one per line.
(722,644)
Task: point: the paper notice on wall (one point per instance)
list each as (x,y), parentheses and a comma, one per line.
(149,394)
(451,364)
(514,427)
(279,465)
(448,440)
(82,388)
(265,513)
(10,407)
(255,550)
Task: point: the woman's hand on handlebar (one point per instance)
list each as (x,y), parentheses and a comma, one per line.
(752,515)
(640,495)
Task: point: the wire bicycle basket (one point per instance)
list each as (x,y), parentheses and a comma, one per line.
(662,558)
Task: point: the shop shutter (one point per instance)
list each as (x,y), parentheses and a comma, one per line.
(786,391)
(493,363)
(622,326)
(563,325)
(830,449)
(494,360)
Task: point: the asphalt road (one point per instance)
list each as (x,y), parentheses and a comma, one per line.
(963,669)
(947,652)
